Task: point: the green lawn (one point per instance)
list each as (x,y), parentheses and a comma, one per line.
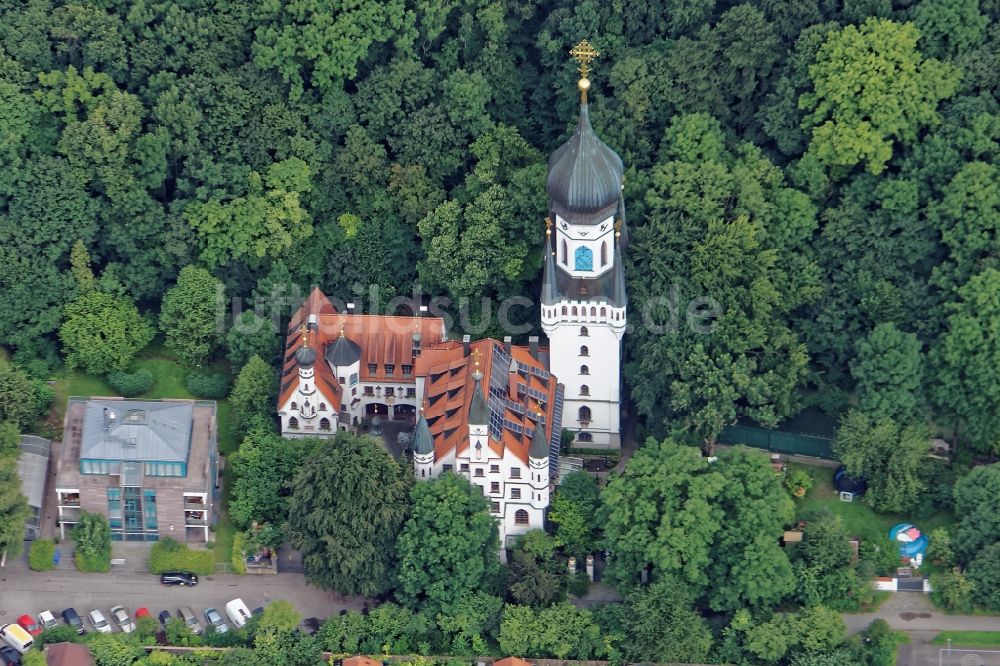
(972,638)
(859,519)
(169,376)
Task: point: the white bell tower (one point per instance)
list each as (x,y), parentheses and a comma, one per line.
(583,293)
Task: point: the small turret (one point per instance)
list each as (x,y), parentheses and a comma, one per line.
(539,448)
(423,449)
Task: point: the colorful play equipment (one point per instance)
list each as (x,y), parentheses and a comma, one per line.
(910,541)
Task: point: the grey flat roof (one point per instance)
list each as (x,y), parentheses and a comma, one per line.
(136,430)
(32,467)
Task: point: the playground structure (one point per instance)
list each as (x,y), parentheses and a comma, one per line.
(911,542)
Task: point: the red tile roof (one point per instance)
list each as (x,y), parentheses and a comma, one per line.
(383,339)
(522,389)
(449,388)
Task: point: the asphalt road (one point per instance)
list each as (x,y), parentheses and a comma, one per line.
(31,592)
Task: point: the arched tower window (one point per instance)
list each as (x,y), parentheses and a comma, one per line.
(324,423)
(585,413)
(593,312)
(295,405)
(322,406)
(293,423)
(583,259)
(574,311)
(565,253)
(583,331)
(584,370)
(564,310)
(584,351)
(604,312)
(584,437)
(584,389)
(520,517)
(604,253)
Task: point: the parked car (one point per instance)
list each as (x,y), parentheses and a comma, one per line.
(121,618)
(71,618)
(214,620)
(165,617)
(190,619)
(179,578)
(100,622)
(16,637)
(309,626)
(238,613)
(28,624)
(47,620)
(9,656)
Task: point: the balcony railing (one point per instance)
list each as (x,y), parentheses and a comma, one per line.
(192,505)
(69,502)
(195,522)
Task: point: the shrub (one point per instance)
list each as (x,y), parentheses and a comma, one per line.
(169,555)
(93,543)
(131,384)
(92,563)
(58,634)
(798,482)
(239,557)
(41,554)
(209,385)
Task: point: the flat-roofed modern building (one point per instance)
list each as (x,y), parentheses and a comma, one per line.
(150,466)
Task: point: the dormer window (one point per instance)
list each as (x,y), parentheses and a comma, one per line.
(407,371)
(372,368)
(390,369)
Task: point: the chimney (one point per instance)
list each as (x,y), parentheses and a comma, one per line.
(313,322)
(533,346)
(466,343)
(506,344)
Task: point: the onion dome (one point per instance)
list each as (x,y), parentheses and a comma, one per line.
(342,352)
(305,356)
(585,176)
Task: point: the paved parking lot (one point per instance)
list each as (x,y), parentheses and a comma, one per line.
(30,592)
(935,655)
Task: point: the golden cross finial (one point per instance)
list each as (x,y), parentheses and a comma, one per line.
(548,226)
(475,355)
(584,53)
(618,228)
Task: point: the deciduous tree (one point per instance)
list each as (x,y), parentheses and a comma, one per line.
(103,332)
(887,454)
(872,88)
(348,504)
(448,545)
(191,315)
(888,369)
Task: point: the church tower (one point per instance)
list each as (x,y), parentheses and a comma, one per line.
(583,291)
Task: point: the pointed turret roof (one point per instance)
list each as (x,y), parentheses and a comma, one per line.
(423,442)
(585,175)
(539,446)
(479,413)
(550,293)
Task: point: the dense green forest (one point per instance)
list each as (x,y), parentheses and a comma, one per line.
(826,172)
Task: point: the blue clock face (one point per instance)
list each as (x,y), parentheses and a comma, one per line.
(583,259)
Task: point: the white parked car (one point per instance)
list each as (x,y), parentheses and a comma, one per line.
(124,622)
(100,622)
(47,620)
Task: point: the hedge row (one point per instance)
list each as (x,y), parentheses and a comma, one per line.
(169,555)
